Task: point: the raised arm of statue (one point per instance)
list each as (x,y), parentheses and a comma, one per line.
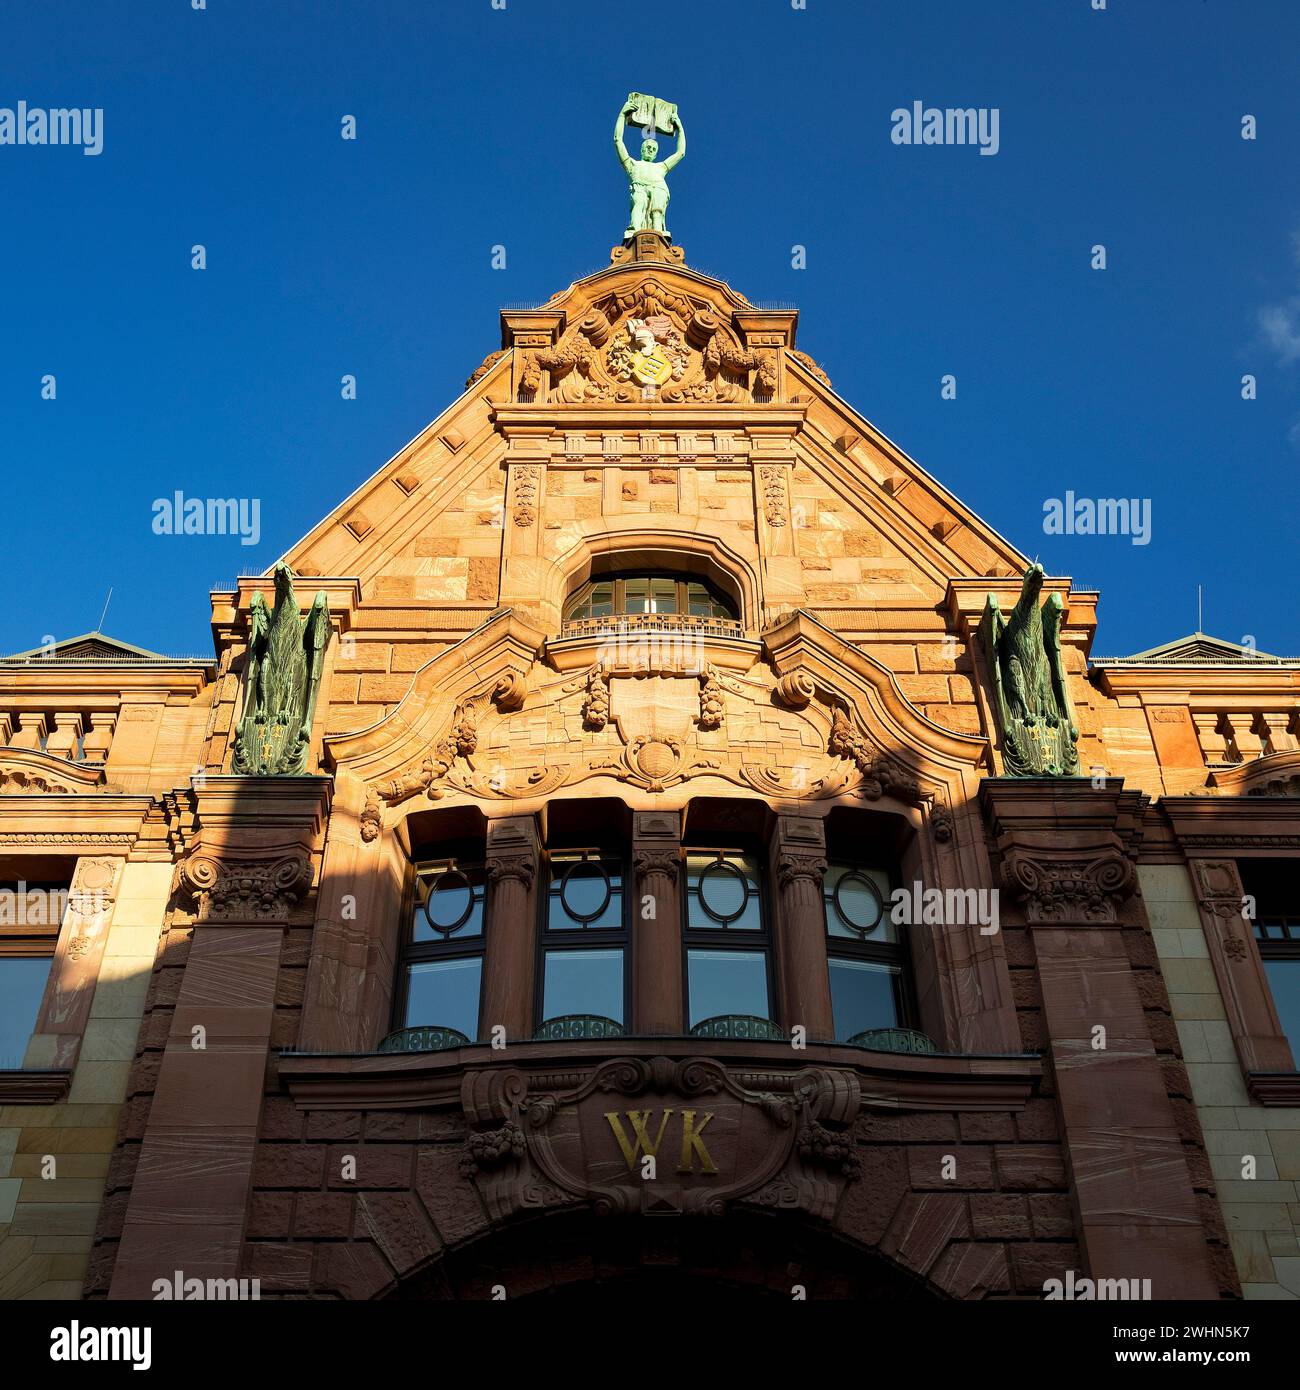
(624,158)
(679,153)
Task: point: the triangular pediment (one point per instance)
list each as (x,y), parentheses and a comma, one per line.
(649,365)
(1197,647)
(89,646)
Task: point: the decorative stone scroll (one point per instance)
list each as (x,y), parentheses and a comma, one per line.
(713,1140)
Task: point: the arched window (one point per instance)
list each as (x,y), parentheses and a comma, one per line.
(636,595)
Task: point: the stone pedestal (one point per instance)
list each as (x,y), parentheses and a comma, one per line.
(250,849)
(1067,852)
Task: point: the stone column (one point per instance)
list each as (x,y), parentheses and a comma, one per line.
(251,844)
(656,918)
(797,856)
(1067,854)
(510,927)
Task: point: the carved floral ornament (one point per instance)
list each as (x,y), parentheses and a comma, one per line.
(652,721)
(649,340)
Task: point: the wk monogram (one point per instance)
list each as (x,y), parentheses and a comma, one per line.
(641,1143)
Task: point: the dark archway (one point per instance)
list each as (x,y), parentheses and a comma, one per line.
(741,1256)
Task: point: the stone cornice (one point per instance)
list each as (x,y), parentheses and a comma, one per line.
(800,642)
(23,1087)
(909,1081)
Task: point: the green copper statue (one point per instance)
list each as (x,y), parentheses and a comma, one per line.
(1039,734)
(648,181)
(285,655)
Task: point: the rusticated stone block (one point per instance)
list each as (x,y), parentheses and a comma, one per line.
(398,1225)
(977,1125)
(998,1215)
(959,1167)
(323,1214)
(874,1128)
(392,1125)
(334,1124)
(377,1165)
(441,1126)
(1032,1265)
(923,1227)
(351,1269)
(1052,1215)
(868,1206)
(452,1201)
(1037,1120)
(270,1215)
(1029,1166)
(972,1271)
(928,1128)
(289,1165)
(284,1268)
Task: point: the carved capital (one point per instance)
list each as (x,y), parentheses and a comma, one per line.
(791,867)
(1070,890)
(521,868)
(246,891)
(657,861)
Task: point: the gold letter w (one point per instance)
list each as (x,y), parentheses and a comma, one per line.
(643,1144)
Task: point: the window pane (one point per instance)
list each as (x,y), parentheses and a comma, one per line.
(723,896)
(444,994)
(636,594)
(22,983)
(581,895)
(1284,981)
(583,982)
(702,604)
(863,995)
(449,904)
(726,982)
(851,903)
(663,595)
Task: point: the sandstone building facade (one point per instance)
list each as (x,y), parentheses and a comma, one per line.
(653,684)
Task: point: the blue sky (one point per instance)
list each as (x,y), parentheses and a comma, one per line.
(479,126)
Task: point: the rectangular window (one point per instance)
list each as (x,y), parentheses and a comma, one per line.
(1271,893)
(442,962)
(31,914)
(584,943)
(726,939)
(864,953)
(22,987)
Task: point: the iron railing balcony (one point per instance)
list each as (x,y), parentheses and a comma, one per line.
(631,623)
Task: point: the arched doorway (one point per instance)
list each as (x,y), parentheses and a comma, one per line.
(742,1256)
